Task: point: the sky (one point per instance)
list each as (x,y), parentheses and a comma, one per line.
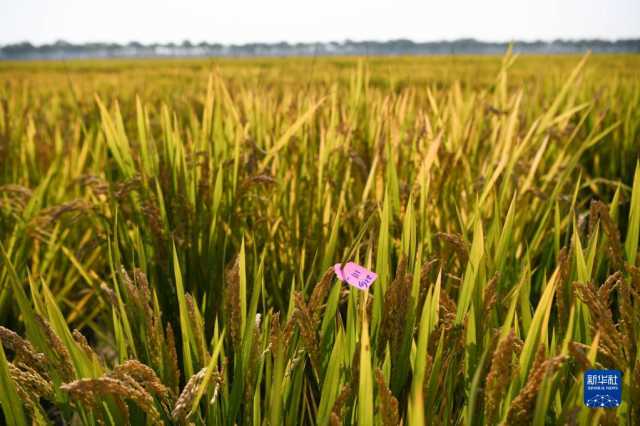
(244,21)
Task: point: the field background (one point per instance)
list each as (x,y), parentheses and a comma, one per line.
(168,228)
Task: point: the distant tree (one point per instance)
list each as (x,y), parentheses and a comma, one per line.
(18,48)
(62,48)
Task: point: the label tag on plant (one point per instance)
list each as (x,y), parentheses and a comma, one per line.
(355,275)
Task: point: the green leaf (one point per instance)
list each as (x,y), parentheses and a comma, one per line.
(633,232)
(331,384)
(365,385)
(185,325)
(473,267)
(9,399)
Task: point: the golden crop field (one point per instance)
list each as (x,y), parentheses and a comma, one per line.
(168,230)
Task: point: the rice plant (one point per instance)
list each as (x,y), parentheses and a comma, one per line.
(168,230)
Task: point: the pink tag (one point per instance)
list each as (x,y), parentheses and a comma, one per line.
(355,275)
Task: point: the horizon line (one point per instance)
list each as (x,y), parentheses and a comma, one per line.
(336,41)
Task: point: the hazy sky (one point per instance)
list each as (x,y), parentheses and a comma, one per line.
(241,21)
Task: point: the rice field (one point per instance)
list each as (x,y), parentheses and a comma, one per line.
(168,230)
